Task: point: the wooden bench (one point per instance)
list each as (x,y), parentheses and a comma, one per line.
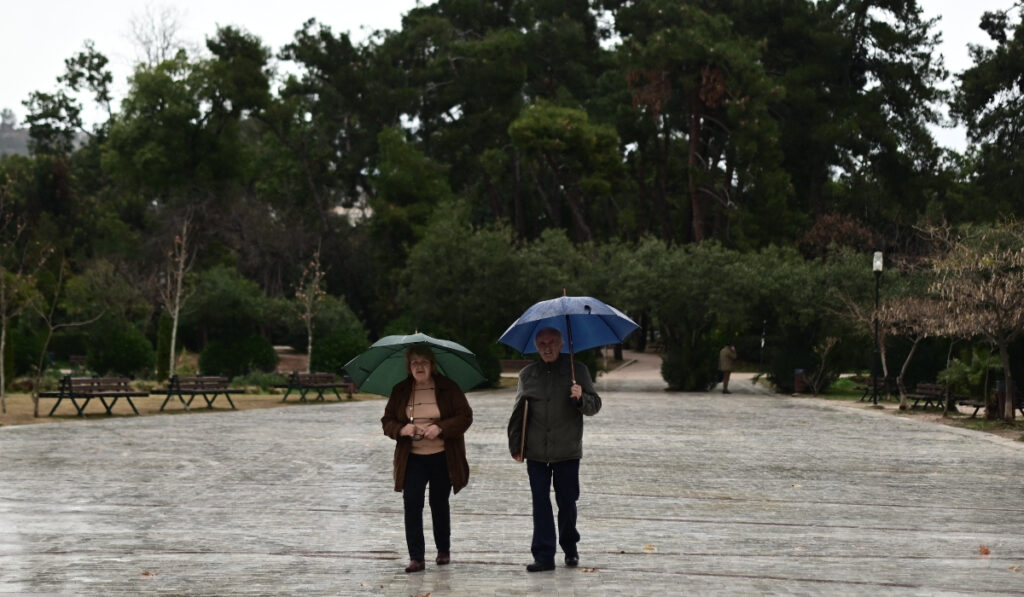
(881,385)
(931,394)
(304,383)
(208,386)
(81,390)
(978,404)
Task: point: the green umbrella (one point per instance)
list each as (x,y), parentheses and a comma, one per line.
(383,365)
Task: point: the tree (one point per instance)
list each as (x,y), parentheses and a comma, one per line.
(172,287)
(989,102)
(55,119)
(155,34)
(980,281)
(50,314)
(572,163)
(309,293)
(19,260)
(700,89)
(915,318)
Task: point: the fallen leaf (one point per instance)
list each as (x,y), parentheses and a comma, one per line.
(650,548)
(984,550)
(1015,568)
(797,485)
(588,569)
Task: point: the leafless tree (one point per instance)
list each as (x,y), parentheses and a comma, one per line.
(308,294)
(174,291)
(863,318)
(155,33)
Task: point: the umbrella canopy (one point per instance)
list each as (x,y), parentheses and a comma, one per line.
(584,322)
(380,367)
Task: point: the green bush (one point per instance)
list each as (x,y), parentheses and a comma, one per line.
(263,380)
(238,357)
(163,346)
(689,370)
(120,348)
(333,350)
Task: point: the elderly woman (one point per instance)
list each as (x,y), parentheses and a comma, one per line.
(427,414)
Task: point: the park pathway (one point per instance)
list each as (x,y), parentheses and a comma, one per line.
(683,494)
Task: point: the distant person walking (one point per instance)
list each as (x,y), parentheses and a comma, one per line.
(726,363)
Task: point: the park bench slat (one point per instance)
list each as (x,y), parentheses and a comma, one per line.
(207,386)
(86,389)
(316,382)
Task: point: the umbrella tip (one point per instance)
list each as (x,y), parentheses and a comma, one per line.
(563,292)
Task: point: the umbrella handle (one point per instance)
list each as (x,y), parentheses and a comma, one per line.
(522,437)
(572,365)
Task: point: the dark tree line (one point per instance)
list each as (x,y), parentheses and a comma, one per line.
(751,123)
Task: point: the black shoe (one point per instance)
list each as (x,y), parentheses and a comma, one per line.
(726,392)
(572,561)
(415,566)
(540,566)
(443,558)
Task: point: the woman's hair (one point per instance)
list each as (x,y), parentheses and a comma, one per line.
(423,351)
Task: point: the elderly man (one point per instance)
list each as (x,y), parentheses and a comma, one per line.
(554,397)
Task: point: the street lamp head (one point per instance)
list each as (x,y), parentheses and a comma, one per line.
(876,262)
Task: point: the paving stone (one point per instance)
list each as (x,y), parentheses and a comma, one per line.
(696,494)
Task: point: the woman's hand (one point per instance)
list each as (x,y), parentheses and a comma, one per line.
(408,431)
(432,431)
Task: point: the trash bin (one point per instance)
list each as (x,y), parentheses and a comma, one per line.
(799,381)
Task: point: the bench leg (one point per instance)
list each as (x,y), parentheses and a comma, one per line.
(286,392)
(81,409)
(335,390)
(55,405)
(113,401)
(230,401)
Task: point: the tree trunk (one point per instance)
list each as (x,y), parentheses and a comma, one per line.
(309,343)
(1006,403)
(696,209)
(3,372)
(904,405)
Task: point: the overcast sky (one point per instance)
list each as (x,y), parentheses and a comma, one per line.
(37,36)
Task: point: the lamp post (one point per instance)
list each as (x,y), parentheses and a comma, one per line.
(876,266)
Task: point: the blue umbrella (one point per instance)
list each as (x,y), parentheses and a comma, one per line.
(584,321)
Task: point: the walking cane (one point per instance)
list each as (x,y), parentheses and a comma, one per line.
(522,437)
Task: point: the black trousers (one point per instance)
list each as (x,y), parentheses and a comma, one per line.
(420,471)
(565,476)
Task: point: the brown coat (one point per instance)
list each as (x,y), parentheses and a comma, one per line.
(456,417)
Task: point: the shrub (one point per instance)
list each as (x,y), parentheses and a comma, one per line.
(163,346)
(118,347)
(238,357)
(333,350)
(689,370)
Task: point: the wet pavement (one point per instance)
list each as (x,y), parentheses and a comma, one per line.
(692,494)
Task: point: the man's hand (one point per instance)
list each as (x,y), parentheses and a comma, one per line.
(576,391)
(517,457)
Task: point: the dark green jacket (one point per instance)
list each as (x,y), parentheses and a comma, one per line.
(554,426)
